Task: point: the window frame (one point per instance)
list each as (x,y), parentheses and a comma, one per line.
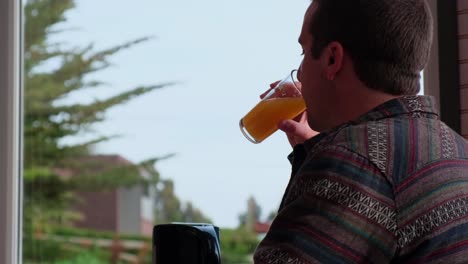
(10,131)
(441,75)
(431,71)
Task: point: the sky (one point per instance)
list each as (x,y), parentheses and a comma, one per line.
(222,55)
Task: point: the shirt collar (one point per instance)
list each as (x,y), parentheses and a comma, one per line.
(407,105)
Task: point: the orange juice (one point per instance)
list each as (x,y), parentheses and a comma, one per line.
(263,119)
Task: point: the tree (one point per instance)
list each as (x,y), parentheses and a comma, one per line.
(237,245)
(193,215)
(253,214)
(167,204)
(170,209)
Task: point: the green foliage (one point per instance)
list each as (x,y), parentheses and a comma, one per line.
(89,233)
(45,252)
(168,205)
(49,251)
(170,209)
(84,258)
(193,215)
(237,245)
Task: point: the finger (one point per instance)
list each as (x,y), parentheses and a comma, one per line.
(265,93)
(301,118)
(272,86)
(296,129)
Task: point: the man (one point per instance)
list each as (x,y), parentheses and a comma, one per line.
(385,181)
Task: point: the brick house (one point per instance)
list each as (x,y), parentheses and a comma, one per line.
(125,210)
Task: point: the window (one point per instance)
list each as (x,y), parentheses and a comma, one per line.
(179,156)
(130,120)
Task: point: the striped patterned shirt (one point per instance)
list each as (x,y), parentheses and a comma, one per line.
(389,187)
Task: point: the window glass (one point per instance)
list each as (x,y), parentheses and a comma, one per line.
(131,120)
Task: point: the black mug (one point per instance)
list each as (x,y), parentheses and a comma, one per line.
(186,243)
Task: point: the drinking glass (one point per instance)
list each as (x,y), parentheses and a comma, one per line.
(284,101)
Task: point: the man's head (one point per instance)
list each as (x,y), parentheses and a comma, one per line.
(384,44)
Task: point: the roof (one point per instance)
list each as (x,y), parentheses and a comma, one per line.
(92,164)
(261,228)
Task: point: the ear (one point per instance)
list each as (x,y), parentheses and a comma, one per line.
(332,60)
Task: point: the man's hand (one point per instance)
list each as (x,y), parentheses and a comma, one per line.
(298,129)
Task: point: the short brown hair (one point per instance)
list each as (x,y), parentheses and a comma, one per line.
(388,40)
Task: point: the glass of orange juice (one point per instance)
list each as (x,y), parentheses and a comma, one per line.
(282,102)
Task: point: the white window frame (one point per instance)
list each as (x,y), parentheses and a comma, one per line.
(10,131)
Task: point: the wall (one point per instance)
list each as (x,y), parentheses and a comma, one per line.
(462,13)
(129,210)
(147,214)
(99,210)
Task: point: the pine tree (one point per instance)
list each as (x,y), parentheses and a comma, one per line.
(46,123)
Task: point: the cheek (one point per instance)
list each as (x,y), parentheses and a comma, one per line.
(313,96)
(310,79)
(309,86)
(309,95)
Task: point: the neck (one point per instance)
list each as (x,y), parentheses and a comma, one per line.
(356,101)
